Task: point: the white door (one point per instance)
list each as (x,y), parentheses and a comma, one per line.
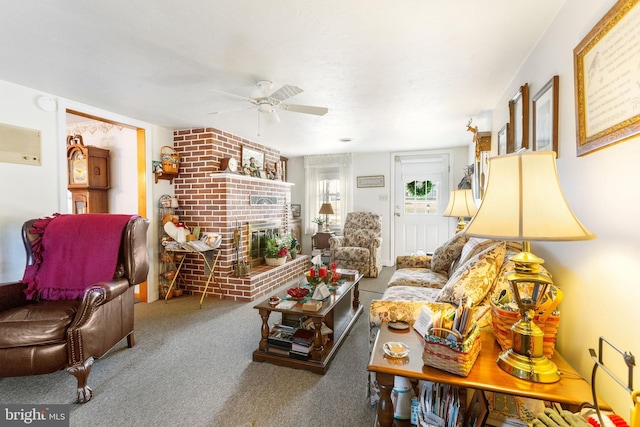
(421,193)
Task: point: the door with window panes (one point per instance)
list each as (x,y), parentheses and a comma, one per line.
(420,196)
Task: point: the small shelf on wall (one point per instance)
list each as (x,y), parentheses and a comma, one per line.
(164,175)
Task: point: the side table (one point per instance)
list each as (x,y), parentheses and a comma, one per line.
(202,253)
(572,390)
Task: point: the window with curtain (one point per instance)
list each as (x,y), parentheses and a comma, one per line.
(328,180)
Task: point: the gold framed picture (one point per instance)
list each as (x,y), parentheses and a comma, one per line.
(606,79)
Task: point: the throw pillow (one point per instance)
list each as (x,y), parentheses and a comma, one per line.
(473,279)
(474,246)
(444,255)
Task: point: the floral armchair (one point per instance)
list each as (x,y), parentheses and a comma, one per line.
(359,246)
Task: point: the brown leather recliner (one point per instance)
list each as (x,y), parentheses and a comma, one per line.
(41,337)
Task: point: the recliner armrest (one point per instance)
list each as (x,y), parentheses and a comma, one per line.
(103,292)
(336,242)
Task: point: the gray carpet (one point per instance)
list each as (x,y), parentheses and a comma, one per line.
(193,367)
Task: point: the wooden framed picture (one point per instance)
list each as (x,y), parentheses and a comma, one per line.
(252,161)
(519,120)
(502,139)
(545,117)
(370,181)
(296,210)
(606,79)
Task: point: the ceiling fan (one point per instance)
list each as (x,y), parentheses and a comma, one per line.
(266,101)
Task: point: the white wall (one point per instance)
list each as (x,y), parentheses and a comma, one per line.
(599,277)
(37,191)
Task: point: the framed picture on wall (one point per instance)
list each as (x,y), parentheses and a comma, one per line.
(253,160)
(545,117)
(370,181)
(296,210)
(606,79)
(519,120)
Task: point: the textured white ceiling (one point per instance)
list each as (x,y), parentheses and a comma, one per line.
(399,75)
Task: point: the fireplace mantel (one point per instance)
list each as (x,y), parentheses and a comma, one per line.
(236,176)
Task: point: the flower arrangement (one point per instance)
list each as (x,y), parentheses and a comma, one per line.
(318,221)
(276,247)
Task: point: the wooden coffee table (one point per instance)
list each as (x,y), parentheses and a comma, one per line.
(339,312)
(572,390)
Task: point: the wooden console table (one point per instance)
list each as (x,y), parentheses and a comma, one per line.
(339,312)
(572,390)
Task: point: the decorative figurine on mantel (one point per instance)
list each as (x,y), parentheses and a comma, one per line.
(276,174)
(253,168)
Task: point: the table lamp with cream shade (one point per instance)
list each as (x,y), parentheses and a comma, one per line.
(461,205)
(523,202)
(326,209)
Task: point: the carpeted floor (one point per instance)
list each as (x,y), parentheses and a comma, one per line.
(193,367)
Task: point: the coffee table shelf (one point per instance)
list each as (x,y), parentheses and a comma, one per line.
(339,312)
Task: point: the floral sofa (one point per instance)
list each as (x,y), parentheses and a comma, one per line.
(460,270)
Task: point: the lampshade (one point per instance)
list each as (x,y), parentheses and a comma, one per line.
(523,202)
(326,209)
(461,203)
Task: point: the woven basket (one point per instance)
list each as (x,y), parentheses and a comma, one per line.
(452,356)
(503,320)
(170,159)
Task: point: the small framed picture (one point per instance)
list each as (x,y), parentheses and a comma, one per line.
(253,161)
(371,181)
(545,117)
(519,120)
(296,210)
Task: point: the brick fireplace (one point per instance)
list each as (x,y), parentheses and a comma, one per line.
(219,203)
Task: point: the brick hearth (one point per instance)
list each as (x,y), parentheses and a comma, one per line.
(218,202)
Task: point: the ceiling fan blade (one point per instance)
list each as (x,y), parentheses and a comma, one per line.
(307,109)
(233,95)
(286,91)
(233,109)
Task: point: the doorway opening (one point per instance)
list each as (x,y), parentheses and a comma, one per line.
(127,147)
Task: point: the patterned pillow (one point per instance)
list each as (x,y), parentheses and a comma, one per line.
(474,246)
(444,256)
(474,278)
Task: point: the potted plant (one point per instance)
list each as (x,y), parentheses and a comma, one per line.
(319,221)
(294,247)
(276,251)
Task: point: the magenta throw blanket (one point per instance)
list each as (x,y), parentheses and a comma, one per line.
(75,252)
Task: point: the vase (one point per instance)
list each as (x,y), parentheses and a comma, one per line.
(294,251)
(275,261)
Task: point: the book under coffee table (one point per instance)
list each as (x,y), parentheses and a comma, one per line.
(339,312)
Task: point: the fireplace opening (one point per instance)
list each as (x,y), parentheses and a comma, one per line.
(259,231)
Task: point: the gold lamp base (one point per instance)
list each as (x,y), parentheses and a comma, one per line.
(535,369)
(525,359)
